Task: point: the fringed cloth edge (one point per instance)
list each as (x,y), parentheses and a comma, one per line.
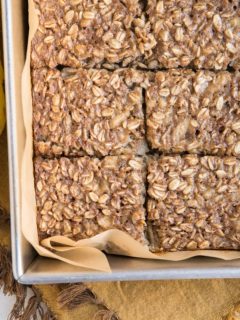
(24,308)
(31,308)
(77,294)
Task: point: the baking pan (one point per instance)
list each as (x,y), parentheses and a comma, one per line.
(28,267)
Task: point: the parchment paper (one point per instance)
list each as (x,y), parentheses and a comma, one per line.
(84,253)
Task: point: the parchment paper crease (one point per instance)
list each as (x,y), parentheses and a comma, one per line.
(84,253)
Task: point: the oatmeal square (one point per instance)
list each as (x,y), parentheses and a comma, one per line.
(202,34)
(194,203)
(86,33)
(195,112)
(88,112)
(81,197)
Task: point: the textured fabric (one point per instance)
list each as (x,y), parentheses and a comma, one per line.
(170,300)
(5,239)
(4,195)
(50,294)
(4,192)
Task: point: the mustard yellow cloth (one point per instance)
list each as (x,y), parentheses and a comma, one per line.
(4,194)
(170,300)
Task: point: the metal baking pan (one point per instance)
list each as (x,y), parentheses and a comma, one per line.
(28,267)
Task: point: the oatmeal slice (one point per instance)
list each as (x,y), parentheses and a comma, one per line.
(82,197)
(203,34)
(195,112)
(87,33)
(88,112)
(194,203)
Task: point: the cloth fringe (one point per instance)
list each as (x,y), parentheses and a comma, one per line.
(233,314)
(4,215)
(105,314)
(7,282)
(77,294)
(22,309)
